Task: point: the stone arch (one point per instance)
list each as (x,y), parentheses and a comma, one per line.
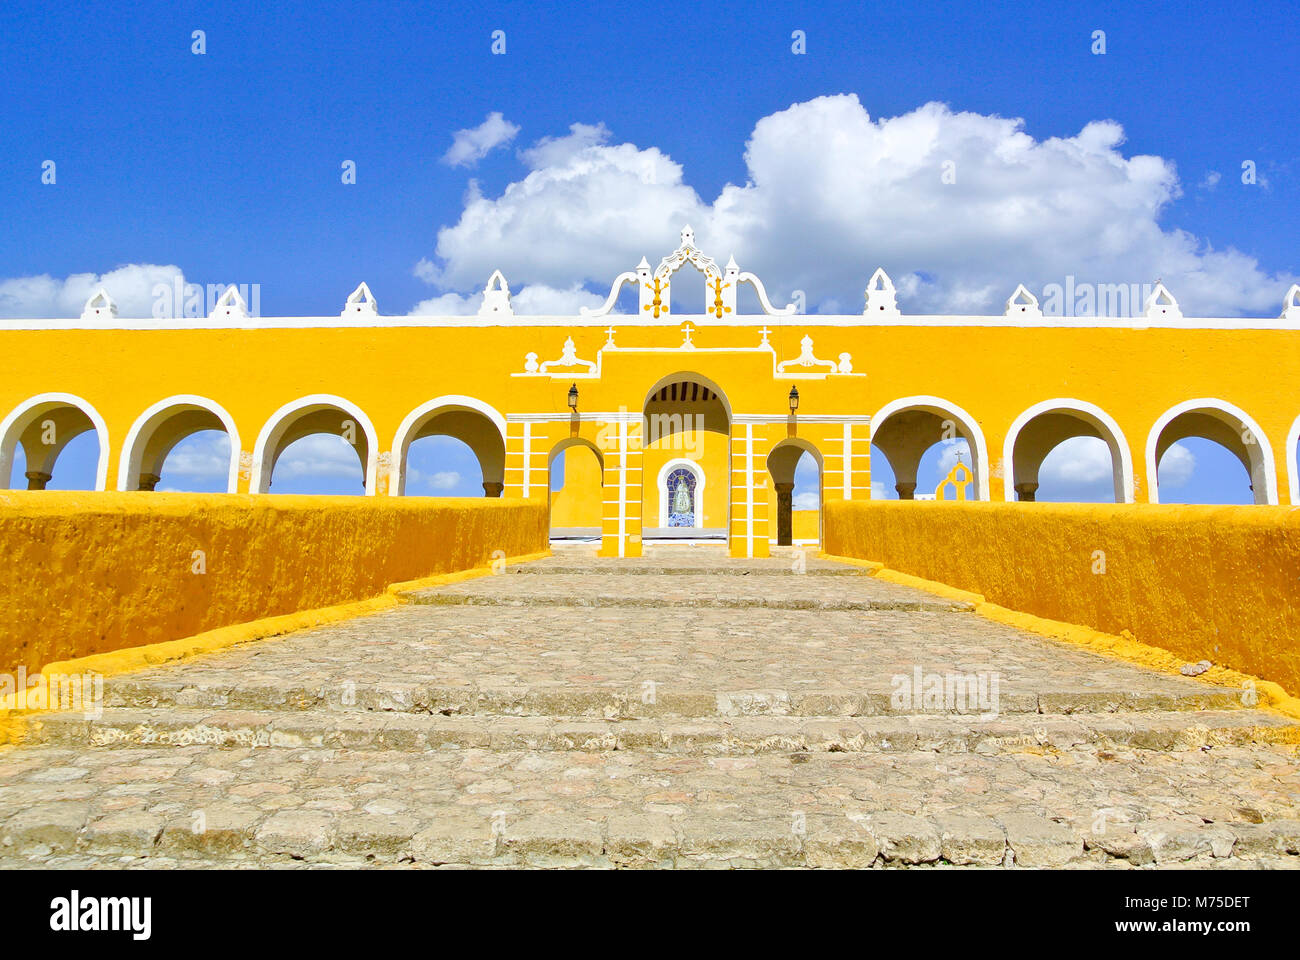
(782,461)
(687,416)
(157,431)
(476,424)
(904,429)
(575,512)
(71,417)
(1220,421)
(1037,432)
(317,413)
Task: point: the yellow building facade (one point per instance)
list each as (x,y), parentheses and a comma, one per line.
(670,424)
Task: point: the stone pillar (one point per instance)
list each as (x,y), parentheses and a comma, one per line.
(149,481)
(784,514)
(493,488)
(36,479)
(1025,492)
(906,491)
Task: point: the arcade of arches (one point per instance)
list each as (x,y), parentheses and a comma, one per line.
(657,425)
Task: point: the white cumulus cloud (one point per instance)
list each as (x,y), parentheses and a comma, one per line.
(957,206)
(1176,466)
(470,146)
(45,297)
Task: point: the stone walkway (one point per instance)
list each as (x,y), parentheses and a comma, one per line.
(681,710)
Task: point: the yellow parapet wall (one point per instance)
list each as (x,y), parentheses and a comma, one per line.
(89,573)
(1214,583)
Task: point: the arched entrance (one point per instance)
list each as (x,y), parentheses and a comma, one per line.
(687,460)
(907,430)
(795,466)
(338,423)
(1036,435)
(577,489)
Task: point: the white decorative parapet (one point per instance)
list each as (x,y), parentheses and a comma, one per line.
(1024,305)
(229,306)
(100,306)
(882,298)
(1161,305)
(360,303)
(654,287)
(496,297)
(1291,304)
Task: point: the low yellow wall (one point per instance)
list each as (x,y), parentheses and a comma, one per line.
(1214,583)
(86,573)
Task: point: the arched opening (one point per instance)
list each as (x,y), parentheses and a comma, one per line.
(796,470)
(1067,451)
(316,445)
(916,441)
(577,489)
(430,449)
(1293,461)
(182,443)
(687,460)
(1184,466)
(49,430)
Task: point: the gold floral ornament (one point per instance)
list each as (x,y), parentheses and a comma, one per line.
(657,303)
(719,308)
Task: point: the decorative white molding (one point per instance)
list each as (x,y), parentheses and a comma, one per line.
(568,358)
(788,310)
(806,359)
(1161,305)
(360,303)
(882,298)
(1023,305)
(229,306)
(617,287)
(496,297)
(1291,304)
(100,306)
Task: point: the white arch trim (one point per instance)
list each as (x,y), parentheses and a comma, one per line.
(448,403)
(133,449)
(1292,471)
(689,375)
(668,468)
(1116,441)
(274,427)
(1267,465)
(13,425)
(957,413)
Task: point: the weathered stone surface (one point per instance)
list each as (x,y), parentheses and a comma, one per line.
(1039,842)
(970,838)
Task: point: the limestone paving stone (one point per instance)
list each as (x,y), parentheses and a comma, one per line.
(649,733)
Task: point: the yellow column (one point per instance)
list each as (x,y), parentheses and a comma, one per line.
(621,520)
(748,534)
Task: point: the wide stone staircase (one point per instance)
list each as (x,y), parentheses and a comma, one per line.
(677,710)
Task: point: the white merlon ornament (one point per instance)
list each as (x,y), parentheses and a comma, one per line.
(808,360)
(100,306)
(882,298)
(1291,304)
(1161,305)
(229,306)
(496,297)
(360,303)
(1024,305)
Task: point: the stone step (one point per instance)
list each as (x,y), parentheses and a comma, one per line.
(608,701)
(642,809)
(651,567)
(356,729)
(708,590)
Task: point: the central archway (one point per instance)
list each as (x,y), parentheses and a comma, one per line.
(686,439)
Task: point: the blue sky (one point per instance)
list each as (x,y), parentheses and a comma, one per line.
(227,165)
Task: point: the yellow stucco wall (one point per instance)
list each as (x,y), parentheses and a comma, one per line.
(1214,583)
(88,573)
(580,502)
(806,524)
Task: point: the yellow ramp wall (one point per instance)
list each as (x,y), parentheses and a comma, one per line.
(86,573)
(1214,583)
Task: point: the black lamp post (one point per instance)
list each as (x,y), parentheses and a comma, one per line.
(794,400)
(573,398)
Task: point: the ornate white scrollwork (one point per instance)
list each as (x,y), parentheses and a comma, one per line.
(806,359)
(568,358)
(1291,304)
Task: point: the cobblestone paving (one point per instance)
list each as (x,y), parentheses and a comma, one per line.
(528,732)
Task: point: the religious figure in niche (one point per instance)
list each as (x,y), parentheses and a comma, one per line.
(680,491)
